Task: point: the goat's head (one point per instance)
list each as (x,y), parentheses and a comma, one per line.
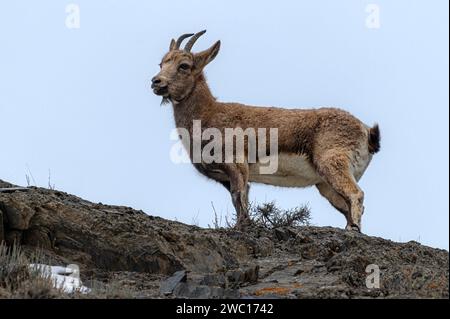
(180,68)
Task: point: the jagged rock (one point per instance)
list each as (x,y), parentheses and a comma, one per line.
(141,252)
(283,233)
(217,280)
(168,286)
(113,238)
(246,275)
(192,291)
(16,212)
(4,184)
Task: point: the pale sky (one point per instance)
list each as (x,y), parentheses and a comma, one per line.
(77,103)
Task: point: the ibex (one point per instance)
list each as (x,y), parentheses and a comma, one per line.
(325,147)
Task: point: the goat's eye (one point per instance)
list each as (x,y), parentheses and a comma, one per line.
(184,66)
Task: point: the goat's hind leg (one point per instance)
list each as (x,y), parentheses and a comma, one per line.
(336,200)
(335,170)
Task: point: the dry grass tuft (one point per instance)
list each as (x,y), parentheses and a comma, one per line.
(19,281)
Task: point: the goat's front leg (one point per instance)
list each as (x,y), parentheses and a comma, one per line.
(238,175)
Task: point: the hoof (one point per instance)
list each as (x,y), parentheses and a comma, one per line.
(353,227)
(243,225)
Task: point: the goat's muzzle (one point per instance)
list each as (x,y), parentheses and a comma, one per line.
(160,86)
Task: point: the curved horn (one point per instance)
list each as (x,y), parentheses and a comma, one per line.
(181,38)
(191,42)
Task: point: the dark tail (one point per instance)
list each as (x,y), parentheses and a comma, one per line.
(374,139)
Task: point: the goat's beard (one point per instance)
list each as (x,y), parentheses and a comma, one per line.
(165,100)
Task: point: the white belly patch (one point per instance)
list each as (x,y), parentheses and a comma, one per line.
(293,171)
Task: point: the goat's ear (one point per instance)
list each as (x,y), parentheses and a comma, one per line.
(172,44)
(201,59)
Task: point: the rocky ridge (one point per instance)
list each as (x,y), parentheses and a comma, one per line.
(155,258)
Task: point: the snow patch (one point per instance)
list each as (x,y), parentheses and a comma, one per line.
(65,278)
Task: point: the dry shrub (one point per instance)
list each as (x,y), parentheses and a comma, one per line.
(269,216)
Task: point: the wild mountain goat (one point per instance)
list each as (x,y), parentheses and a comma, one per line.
(325,147)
